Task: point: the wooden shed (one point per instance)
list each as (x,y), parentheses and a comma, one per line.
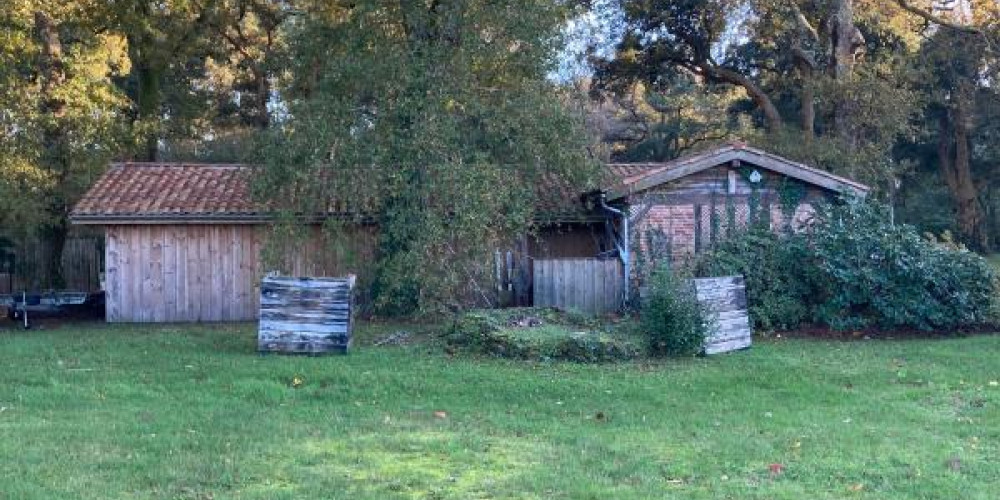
(183,243)
(649,212)
(681,207)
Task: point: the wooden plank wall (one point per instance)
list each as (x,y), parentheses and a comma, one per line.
(587,285)
(167,273)
(192,273)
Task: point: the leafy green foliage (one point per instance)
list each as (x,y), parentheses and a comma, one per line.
(539,334)
(436,121)
(780,290)
(878,274)
(854,269)
(61,119)
(673,320)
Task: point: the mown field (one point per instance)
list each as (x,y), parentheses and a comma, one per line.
(172,412)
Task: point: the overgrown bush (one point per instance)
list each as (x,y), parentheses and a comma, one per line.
(779,287)
(878,274)
(854,269)
(539,334)
(671,317)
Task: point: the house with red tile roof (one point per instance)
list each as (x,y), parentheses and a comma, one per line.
(184,241)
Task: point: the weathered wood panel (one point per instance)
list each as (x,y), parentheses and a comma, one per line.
(192,273)
(725,300)
(305,315)
(181,273)
(587,285)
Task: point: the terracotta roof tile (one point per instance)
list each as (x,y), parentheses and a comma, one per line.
(137,190)
(166,191)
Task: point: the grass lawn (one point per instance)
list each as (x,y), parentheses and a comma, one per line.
(177,412)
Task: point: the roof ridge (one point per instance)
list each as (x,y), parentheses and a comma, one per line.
(155,164)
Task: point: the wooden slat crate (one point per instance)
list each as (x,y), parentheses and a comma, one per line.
(305,315)
(726,301)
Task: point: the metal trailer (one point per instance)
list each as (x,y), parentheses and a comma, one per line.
(19,305)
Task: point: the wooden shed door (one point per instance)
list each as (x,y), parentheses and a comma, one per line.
(587,285)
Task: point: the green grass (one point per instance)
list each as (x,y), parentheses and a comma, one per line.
(194,413)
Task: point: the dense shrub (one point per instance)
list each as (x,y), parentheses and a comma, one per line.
(779,288)
(671,316)
(539,334)
(855,269)
(878,274)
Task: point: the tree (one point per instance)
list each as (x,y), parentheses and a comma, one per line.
(805,66)
(62,117)
(643,123)
(957,66)
(167,46)
(436,119)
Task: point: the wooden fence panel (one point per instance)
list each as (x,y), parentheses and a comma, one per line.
(82,263)
(588,285)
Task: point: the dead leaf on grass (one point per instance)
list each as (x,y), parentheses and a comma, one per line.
(776,469)
(440,414)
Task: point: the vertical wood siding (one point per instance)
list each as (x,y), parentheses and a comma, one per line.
(166,273)
(587,285)
(190,273)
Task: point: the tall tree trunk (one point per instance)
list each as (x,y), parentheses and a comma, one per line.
(845,40)
(805,63)
(846,43)
(954,161)
(263,118)
(808,111)
(55,144)
(148,101)
(53,238)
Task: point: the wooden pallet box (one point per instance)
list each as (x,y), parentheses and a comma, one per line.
(305,315)
(725,300)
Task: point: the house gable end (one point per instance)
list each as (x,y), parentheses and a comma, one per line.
(729,155)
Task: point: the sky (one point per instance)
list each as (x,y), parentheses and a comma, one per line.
(600,27)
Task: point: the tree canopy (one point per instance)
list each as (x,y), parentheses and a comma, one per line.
(853,86)
(437,119)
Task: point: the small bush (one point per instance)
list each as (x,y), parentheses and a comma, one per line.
(671,316)
(539,334)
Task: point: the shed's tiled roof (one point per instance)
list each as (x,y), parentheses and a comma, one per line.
(150,192)
(169,190)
